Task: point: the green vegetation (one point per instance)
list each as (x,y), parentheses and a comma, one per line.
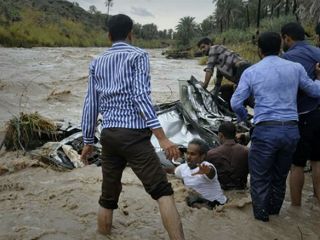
(237,23)
(28,131)
(28,23)
(53,23)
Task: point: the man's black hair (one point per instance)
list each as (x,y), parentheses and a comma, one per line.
(203,146)
(204,40)
(228,129)
(119,27)
(293,30)
(317,29)
(269,43)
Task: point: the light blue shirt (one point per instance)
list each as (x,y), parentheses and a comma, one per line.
(274,83)
(119,89)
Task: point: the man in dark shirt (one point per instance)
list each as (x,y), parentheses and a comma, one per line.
(308,148)
(230,159)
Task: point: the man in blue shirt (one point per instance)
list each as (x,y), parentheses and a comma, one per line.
(119,89)
(274,83)
(308,148)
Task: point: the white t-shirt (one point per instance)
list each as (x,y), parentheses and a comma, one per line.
(209,189)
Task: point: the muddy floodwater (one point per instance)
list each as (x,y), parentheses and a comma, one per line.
(53,81)
(39,202)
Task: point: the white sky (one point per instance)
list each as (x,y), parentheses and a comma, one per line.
(164,13)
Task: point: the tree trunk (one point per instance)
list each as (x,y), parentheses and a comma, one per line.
(258,14)
(286,9)
(248,16)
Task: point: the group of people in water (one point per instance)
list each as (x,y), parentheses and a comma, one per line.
(282,89)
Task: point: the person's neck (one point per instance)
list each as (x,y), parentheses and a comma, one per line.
(228,141)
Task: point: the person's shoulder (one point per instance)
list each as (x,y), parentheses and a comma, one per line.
(138,51)
(215,151)
(241,147)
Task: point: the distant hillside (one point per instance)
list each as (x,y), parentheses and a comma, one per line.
(27,23)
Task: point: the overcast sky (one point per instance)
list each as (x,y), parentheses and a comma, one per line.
(164,13)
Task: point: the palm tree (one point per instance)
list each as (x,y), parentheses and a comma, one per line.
(186,30)
(108,4)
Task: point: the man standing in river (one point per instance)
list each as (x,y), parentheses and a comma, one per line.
(119,89)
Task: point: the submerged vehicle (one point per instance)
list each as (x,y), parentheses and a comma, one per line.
(198,114)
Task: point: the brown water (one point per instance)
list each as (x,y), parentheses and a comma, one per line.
(37,202)
(53,81)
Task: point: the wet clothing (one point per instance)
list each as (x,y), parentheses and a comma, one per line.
(274,83)
(119,89)
(132,146)
(270,159)
(209,189)
(308,147)
(231,162)
(309,113)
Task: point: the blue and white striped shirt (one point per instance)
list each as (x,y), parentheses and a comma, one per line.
(119,89)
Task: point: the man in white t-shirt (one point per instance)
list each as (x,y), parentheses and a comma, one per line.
(201,176)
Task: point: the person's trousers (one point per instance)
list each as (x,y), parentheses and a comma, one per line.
(121,146)
(270,159)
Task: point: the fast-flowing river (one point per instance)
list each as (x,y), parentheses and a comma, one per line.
(53,81)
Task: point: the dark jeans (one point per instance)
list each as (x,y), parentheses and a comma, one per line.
(270,158)
(121,146)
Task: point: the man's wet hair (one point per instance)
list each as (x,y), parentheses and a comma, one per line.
(204,40)
(269,43)
(317,29)
(293,30)
(228,129)
(203,146)
(119,27)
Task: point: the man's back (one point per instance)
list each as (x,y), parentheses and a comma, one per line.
(231,162)
(274,83)
(119,89)
(224,59)
(307,55)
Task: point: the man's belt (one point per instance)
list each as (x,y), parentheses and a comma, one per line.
(277,123)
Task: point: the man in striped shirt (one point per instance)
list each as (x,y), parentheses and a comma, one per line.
(119,89)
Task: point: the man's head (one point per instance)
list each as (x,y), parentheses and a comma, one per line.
(120,27)
(291,33)
(196,152)
(269,44)
(226,131)
(204,45)
(318,34)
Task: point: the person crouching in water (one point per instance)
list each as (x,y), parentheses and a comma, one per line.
(200,176)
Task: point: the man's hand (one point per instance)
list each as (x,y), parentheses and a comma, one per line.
(171,149)
(86,152)
(203,169)
(203,85)
(318,70)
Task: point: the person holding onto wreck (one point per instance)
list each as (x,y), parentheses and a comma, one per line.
(200,176)
(119,89)
(274,82)
(230,159)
